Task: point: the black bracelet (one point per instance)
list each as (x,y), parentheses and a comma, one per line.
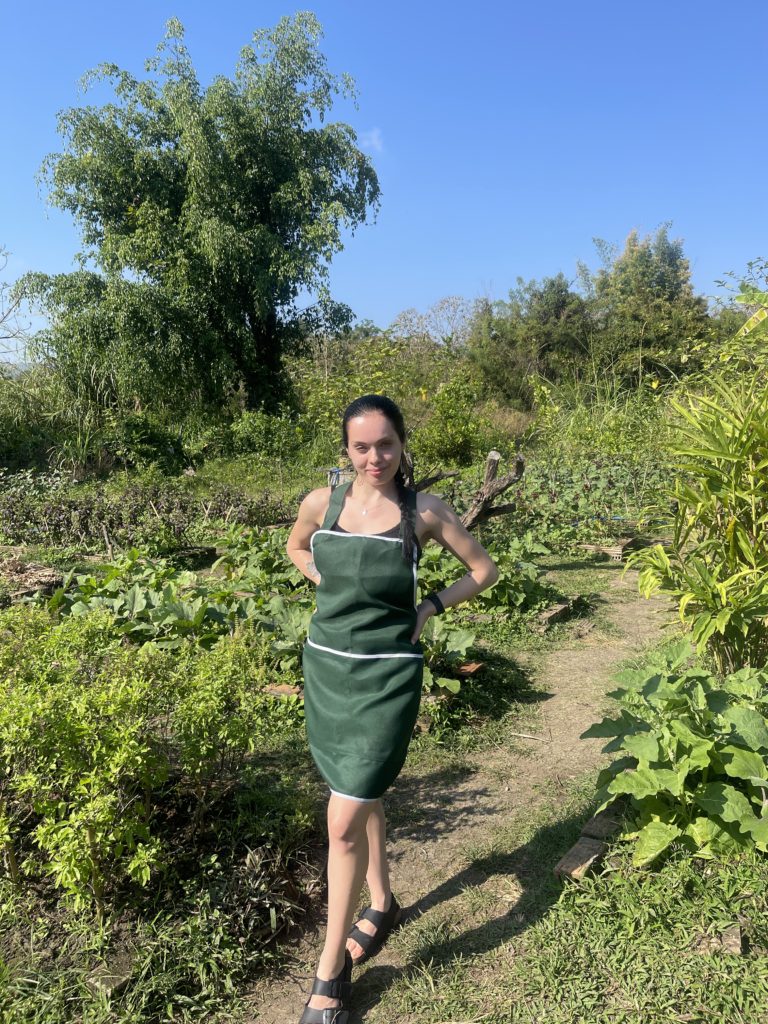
(439,606)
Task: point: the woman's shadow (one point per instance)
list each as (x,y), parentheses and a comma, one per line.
(527,866)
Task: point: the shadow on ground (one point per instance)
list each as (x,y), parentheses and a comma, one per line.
(529,864)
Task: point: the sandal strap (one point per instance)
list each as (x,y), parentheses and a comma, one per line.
(381,917)
(336,988)
(363,939)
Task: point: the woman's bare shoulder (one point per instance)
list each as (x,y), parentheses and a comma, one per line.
(315,504)
(430,506)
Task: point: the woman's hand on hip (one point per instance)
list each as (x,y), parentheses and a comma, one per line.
(424,612)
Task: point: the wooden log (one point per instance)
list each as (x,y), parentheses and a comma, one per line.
(493,485)
(580,858)
(606,823)
(283,690)
(422,485)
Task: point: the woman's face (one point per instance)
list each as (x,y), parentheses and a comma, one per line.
(373,447)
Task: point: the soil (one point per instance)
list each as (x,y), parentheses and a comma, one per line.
(24,579)
(441,824)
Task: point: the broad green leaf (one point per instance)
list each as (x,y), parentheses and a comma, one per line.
(135,600)
(759,832)
(606,775)
(652,840)
(743,764)
(749,725)
(718,701)
(644,746)
(725,801)
(697,747)
(608,727)
(645,782)
(452,685)
(712,838)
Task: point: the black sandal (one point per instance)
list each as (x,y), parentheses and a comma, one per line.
(340,988)
(385,920)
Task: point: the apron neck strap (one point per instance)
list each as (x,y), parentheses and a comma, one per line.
(334,505)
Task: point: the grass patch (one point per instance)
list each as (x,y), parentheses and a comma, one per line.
(504,941)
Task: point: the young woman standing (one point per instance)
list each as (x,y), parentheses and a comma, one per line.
(360,543)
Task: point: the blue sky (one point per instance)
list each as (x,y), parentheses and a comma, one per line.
(506,136)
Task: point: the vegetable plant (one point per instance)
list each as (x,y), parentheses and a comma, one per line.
(692,756)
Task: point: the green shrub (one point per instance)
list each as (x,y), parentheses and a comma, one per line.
(454,433)
(716,566)
(135,441)
(693,757)
(95,737)
(271,437)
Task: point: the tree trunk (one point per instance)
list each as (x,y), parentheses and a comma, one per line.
(481,507)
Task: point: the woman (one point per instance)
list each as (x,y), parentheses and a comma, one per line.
(363,662)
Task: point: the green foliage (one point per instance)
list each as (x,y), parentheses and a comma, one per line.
(341,369)
(649,318)
(25,436)
(151,600)
(93,734)
(738,346)
(577,419)
(445,649)
(716,566)
(135,441)
(147,510)
(654,934)
(270,436)
(206,211)
(693,757)
(519,585)
(544,329)
(454,433)
(564,501)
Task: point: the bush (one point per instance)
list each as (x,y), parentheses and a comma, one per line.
(137,442)
(454,434)
(271,437)
(716,566)
(693,757)
(97,739)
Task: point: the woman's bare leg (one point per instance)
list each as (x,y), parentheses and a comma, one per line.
(347,865)
(377,875)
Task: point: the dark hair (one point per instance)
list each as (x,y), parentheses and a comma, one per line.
(388,408)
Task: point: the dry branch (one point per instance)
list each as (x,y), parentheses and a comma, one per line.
(482,503)
(422,485)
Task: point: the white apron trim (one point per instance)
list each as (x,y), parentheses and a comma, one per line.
(346,654)
(357,799)
(371,536)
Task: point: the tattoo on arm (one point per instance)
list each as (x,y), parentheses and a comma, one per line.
(312,571)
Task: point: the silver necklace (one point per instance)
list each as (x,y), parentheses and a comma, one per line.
(365,509)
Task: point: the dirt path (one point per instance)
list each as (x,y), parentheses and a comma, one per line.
(463,892)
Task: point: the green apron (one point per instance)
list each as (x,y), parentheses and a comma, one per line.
(362,674)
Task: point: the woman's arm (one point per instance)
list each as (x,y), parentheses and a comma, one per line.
(310,518)
(445,527)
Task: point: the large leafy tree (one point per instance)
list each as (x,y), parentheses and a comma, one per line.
(205,213)
(646,313)
(543,329)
